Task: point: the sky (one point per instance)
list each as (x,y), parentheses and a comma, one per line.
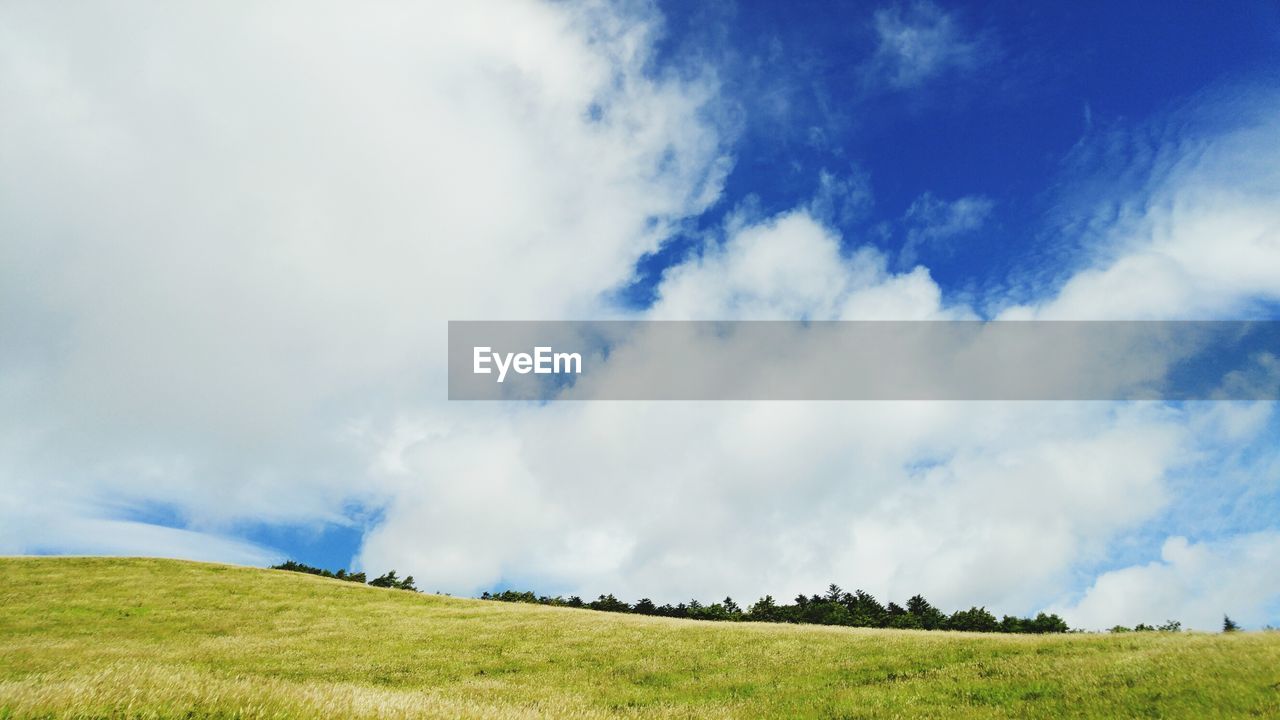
(231,238)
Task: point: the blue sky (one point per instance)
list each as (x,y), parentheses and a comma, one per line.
(1002,117)
(231,239)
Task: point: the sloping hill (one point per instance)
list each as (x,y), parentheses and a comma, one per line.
(94,637)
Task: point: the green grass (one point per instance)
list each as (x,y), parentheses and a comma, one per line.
(97,637)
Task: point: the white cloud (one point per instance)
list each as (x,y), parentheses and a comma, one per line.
(984,503)
(64,534)
(1195,583)
(792,266)
(229,235)
(970,503)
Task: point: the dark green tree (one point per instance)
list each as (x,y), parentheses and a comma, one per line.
(931,618)
(974,619)
(387,580)
(905,621)
(1045,624)
(609,603)
(763,610)
(866,610)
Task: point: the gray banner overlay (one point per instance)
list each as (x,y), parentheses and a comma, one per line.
(863,360)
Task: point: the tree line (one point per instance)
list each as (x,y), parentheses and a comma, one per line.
(1169,626)
(834,607)
(388,580)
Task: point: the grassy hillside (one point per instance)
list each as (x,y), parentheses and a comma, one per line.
(93,637)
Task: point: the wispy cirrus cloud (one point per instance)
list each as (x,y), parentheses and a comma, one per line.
(918,42)
(931,222)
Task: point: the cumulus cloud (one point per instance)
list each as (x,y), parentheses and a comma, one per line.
(1193,582)
(978,502)
(231,236)
(792,267)
(990,503)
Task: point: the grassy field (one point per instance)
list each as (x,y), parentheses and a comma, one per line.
(96,637)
